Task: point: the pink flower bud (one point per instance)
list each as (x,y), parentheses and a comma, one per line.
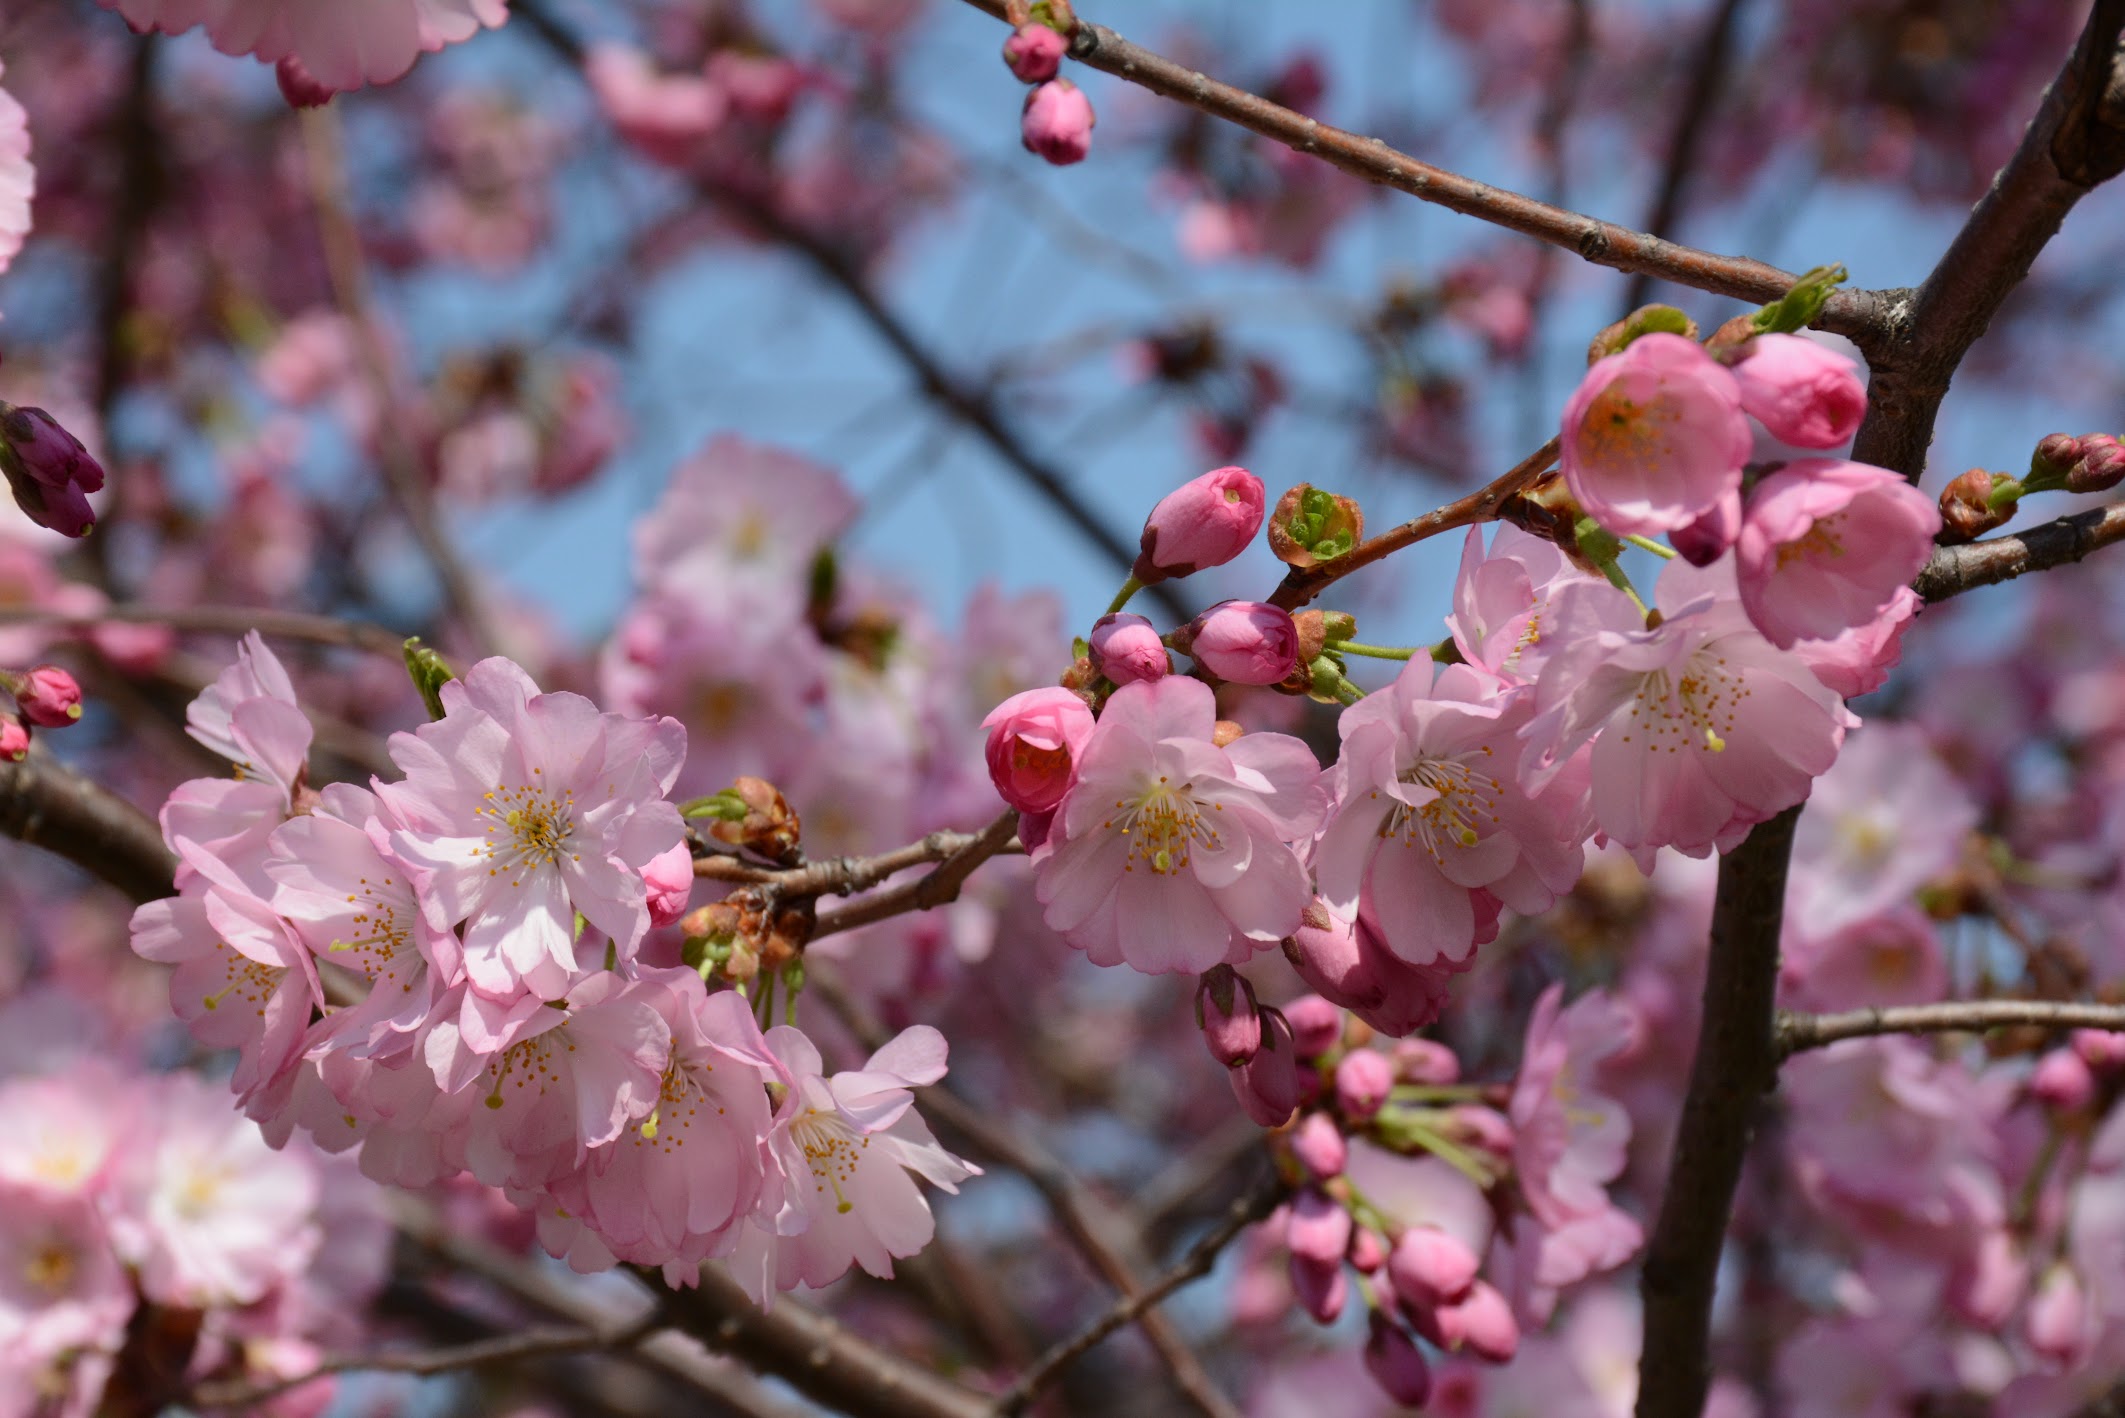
(50,699)
(1431,1268)
(1705,540)
(1396,1364)
(2101,466)
(1368,1252)
(1320,1286)
(1245,642)
(1826,545)
(1805,394)
(1488,1329)
(669,876)
(49,470)
(1034,53)
(1480,1128)
(1987,1283)
(2101,1048)
(1324,952)
(1320,1146)
(1056,122)
(1126,647)
(1966,508)
(1034,740)
(1427,1062)
(1363,1080)
(14,739)
(1204,522)
(1230,1020)
(2062,1081)
(1316,1025)
(299,86)
(2057,1320)
(1319,1227)
(1267,1085)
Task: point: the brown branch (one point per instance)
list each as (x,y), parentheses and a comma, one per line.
(844,876)
(1085,1219)
(933,888)
(220,620)
(1708,74)
(1954,570)
(1735,1066)
(1854,313)
(1796,1032)
(2076,141)
(1301,585)
(1195,1263)
(48,805)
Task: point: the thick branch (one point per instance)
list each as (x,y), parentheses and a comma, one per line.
(2076,141)
(1735,1066)
(48,805)
(1853,313)
(1300,586)
(1954,570)
(1796,1032)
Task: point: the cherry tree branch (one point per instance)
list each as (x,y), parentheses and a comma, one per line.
(933,888)
(220,620)
(1796,1032)
(1735,1065)
(1301,585)
(844,876)
(1855,313)
(1954,570)
(1192,1265)
(48,805)
(2076,141)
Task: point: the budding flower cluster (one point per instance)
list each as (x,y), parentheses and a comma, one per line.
(49,470)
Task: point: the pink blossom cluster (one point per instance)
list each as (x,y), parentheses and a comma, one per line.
(123,1190)
(446,971)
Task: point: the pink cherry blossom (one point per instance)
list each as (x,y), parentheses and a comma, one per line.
(1035,740)
(18,180)
(1826,545)
(1568,1141)
(1891,958)
(61,1286)
(1858,661)
(1502,598)
(249,716)
(1428,809)
(1888,818)
(1655,436)
(667,116)
(739,522)
(1245,642)
(341,49)
(1127,648)
(1056,122)
(1171,853)
(523,809)
(1806,394)
(1034,52)
(1700,727)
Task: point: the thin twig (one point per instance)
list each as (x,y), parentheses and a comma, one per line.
(933,888)
(1191,1266)
(1735,1066)
(219,620)
(844,876)
(1302,585)
(1796,1032)
(1854,313)
(1954,570)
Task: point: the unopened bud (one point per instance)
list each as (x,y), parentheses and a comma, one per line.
(1034,53)
(2102,1049)
(769,826)
(49,470)
(1705,540)
(2101,466)
(48,697)
(2055,455)
(1364,1078)
(1967,512)
(1645,320)
(1426,1062)
(1488,1329)
(14,739)
(1226,1013)
(1368,1252)
(1316,1025)
(1267,1085)
(1431,1267)
(1320,1287)
(1311,526)
(299,86)
(1204,522)
(1318,1228)
(1127,648)
(2062,1081)
(1320,1146)
(1396,1364)
(2057,1322)
(1056,123)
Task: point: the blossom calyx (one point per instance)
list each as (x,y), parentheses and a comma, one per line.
(767,825)
(1645,320)
(49,470)
(1968,509)
(1310,526)
(1206,521)
(429,672)
(1226,1012)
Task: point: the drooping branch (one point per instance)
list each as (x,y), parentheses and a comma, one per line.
(1736,1064)
(1853,313)
(2076,141)
(1300,586)
(1796,1032)
(1954,570)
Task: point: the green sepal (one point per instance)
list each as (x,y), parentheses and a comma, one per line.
(1798,307)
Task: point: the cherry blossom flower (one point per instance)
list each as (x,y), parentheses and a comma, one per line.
(1171,853)
(1888,818)
(249,716)
(1826,546)
(1655,436)
(340,48)
(1805,394)
(1502,598)
(1568,1141)
(61,1286)
(523,809)
(1428,808)
(18,180)
(1035,740)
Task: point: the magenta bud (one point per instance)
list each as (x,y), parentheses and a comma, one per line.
(1363,1079)
(1267,1085)
(1396,1364)
(1321,1287)
(1126,647)
(1427,1062)
(1316,1025)
(1705,540)
(2101,1049)
(49,698)
(14,739)
(1206,521)
(1231,1023)
(2057,1320)
(2101,466)
(1368,1251)
(1324,951)
(1034,53)
(1320,1146)
(1244,642)
(1318,1228)
(1432,1268)
(49,470)
(2062,1081)
(1056,123)
(1486,1324)
(299,86)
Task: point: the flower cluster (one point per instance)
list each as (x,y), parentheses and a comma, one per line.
(446,970)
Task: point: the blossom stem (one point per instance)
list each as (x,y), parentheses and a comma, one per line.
(1121,598)
(1373,652)
(1621,582)
(1665,553)
(1347,692)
